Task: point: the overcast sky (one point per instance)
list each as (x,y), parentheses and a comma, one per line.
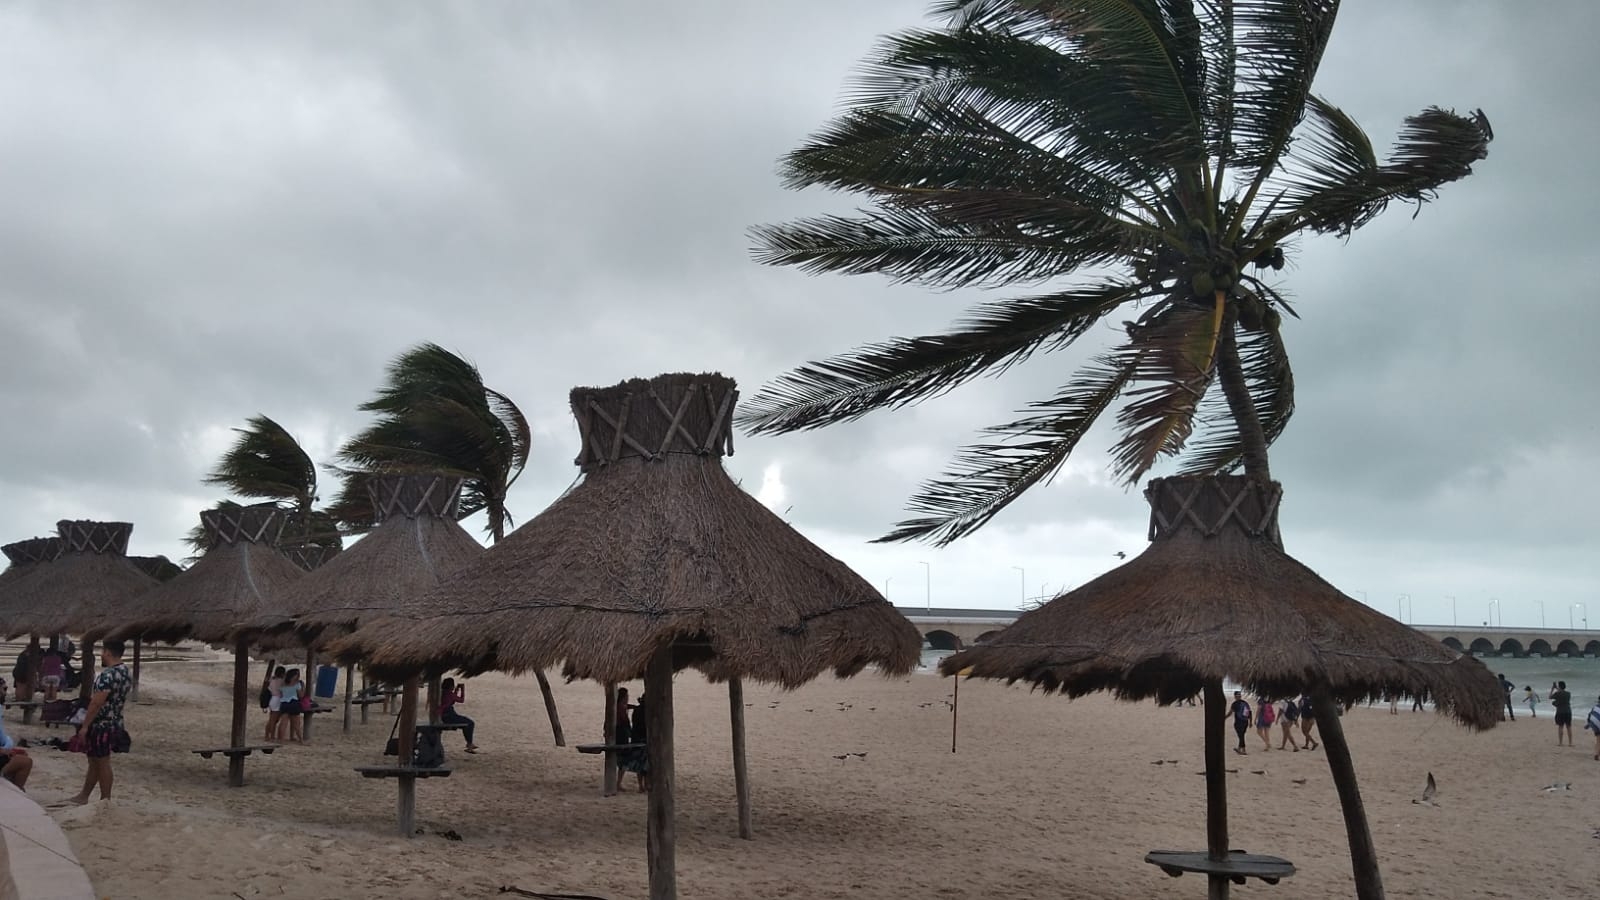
(217,210)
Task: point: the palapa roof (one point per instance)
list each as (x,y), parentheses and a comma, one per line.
(78,590)
(22,557)
(416,542)
(242,577)
(655,546)
(1215,596)
(158,567)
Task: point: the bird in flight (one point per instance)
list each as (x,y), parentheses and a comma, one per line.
(1428,792)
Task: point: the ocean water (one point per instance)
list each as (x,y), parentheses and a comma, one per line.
(1581,674)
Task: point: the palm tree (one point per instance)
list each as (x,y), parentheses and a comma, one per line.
(267,463)
(435,414)
(1149,158)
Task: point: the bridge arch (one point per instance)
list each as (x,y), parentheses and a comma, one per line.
(1540,647)
(1512,647)
(939,639)
(1592,648)
(1482,645)
(1569,647)
(1454,643)
(986,636)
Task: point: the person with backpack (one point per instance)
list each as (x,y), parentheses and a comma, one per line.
(1265,716)
(1290,717)
(1307,722)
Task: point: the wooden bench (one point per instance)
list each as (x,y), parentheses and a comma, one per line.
(608,748)
(441,726)
(231,752)
(368,701)
(403,772)
(1237,867)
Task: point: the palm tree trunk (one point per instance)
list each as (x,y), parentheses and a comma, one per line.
(497,518)
(1363,853)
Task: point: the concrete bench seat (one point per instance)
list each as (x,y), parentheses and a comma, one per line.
(608,748)
(231,752)
(403,772)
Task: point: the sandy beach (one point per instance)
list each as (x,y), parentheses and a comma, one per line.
(1044,798)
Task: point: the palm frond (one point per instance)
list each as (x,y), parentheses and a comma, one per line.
(986,477)
(266,462)
(1280,45)
(1265,361)
(1176,360)
(1435,147)
(903,371)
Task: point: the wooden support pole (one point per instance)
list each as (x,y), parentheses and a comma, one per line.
(86,674)
(955,711)
(364,696)
(433,700)
(661,833)
(406,807)
(1363,854)
(1216,707)
(241,703)
(133,692)
(741,767)
(608,733)
(308,688)
(349,686)
(550,708)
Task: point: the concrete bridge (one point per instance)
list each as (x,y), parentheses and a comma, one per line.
(947,628)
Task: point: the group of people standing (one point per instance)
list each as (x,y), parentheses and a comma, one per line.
(43,669)
(285,696)
(632,730)
(1287,714)
(1561,703)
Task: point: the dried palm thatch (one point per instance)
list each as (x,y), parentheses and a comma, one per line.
(22,557)
(655,547)
(416,542)
(1214,596)
(158,567)
(240,578)
(82,587)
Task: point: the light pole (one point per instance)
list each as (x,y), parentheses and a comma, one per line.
(1585,617)
(1494,603)
(1402,604)
(1452,610)
(1541,612)
(886,586)
(1570,623)
(927,574)
(1022,581)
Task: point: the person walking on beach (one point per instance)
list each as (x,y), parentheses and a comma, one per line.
(289,706)
(103,731)
(1265,716)
(1593,724)
(1290,717)
(1507,686)
(450,694)
(1306,721)
(1240,711)
(274,705)
(1532,699)
(1561,700)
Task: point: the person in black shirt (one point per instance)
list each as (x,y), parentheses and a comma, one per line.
(1240,711)
(1561,699)
(1507,687)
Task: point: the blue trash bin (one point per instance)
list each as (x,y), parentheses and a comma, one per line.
(327,680)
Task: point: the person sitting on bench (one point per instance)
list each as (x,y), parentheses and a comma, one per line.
(15,763)
(450,694)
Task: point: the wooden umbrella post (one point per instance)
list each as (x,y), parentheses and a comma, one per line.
(608,734)
(1216,706)
(364,696)
(433,699)
(550,708)
(133,692)
(955,711)
(308,687)
(1363,853)
(661,834)
(406,806)
(241,702)
(741,767)
(349,686)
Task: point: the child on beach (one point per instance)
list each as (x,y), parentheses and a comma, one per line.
(289,705)
(274,705)
(1265,716)
(450,694)
(1532,699)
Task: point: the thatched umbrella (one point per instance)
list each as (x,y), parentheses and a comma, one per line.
(80,590)
(240,578)
(163,570)
(1214,596)
(22,557)
(657,560)
(415,544)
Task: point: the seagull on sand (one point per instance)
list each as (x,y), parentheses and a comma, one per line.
(1428,792)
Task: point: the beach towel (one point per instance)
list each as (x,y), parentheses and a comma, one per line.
(1594,719)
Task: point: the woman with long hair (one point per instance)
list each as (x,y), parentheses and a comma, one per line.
(289,705)
(274,705)
(450,694)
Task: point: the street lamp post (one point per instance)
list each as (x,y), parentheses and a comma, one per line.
(1402,604)
(1452,610)
(886,586)
(1022,581)
(1585,617)
(1494,604)
(1541,612)
(927,574)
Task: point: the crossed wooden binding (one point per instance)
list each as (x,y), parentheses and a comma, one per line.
(83,536)
(415,496)
(32,550)
(615,423)
(244,525)
(1212,504)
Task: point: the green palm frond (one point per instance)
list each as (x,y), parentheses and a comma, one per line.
(986,477)
(1279,49)
(266,462)
(1265,361)
(1175,361)
(902,371)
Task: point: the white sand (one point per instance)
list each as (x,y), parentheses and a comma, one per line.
(1045,798)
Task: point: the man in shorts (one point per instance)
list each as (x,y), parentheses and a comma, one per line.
(102,729)
(1561,699)
(1240,711)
